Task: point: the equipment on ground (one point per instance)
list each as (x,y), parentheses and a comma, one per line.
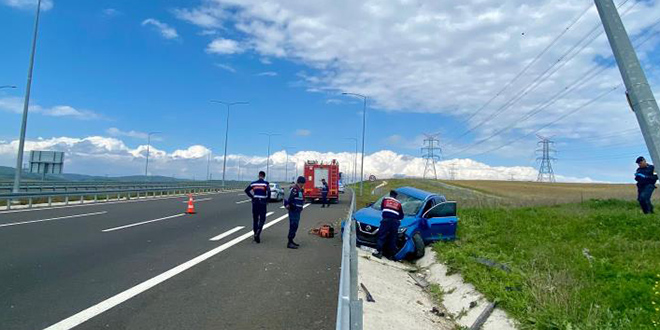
(314,173)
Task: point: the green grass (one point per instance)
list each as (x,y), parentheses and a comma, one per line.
(552,284)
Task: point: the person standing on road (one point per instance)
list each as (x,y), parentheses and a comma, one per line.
(324,194)
(646,179)
(392,213)
(259,192)
(294,203)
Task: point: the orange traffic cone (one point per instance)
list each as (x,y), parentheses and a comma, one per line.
(191,206)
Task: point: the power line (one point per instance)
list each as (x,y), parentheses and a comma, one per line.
(561,61)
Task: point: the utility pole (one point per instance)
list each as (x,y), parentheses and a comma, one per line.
(639,93)
(224,159)
(432,153)
(238,176)
(26,105)
(208,167)
(546,174)
(286,164)
(146,166)
(270,135)
(364,128)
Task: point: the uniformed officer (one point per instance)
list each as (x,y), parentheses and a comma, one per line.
(324,193)
(646,179)
(392,213)
(259,192)
(294,203)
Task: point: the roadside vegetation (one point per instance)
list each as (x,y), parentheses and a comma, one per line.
(566,256)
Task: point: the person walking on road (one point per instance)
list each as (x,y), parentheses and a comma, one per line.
(646,179)
(294,203)
(259,193)
(392,213)
(324,194)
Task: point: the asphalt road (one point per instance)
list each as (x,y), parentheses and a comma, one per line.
(144,265)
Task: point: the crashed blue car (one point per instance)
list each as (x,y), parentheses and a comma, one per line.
(428,218)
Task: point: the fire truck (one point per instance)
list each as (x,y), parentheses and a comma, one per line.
(314,172)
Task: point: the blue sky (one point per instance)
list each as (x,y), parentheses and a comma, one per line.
(145,66)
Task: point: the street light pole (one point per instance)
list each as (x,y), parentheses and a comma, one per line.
(224,159)
(26,104)
(268,159)
(208,167)
(354,157)
(286,165)
(146,167)
(364,125)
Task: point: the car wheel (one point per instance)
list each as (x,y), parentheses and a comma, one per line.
(419,246)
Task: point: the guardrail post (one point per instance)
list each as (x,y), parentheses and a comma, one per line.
(96,198)
(118,196)
(82,199)
(50,201)
(66,200)
(30,202)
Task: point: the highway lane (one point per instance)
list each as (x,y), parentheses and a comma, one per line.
(61,267)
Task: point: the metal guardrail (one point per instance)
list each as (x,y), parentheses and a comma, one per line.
(349,307)
(73,186)
(27,199)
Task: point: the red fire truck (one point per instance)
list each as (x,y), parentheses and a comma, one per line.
(314,172)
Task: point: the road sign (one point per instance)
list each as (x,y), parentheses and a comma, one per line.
(46,162)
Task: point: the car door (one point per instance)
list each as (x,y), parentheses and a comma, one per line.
(441,220)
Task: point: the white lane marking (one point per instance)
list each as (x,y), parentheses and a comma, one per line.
(245,201)
(198,200)
(52,219)
(142,223)
(282,206)
(89,203)
(85,315)
(269,214)
(243,194)
(227,233)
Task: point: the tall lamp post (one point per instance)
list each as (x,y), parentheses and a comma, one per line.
(146,167)
(354,157)
(286,164)
(268,159)
(224,159)
(26,104)
(364,121)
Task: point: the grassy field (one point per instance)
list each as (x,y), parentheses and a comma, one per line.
(579,256)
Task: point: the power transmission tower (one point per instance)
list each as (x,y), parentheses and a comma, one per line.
(452,172)
(432,153)
(546,174)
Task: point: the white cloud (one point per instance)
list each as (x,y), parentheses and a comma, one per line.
(303,132)
(29,4)
(225,67)
(267,74)
(15,105)
(111,12)
(98,155)
(208,18)
(447,57)
(165,30)
(114,131)
(223,46)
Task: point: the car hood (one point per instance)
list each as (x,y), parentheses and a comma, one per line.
(371,216)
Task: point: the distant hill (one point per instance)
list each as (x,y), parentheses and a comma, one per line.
(7,174)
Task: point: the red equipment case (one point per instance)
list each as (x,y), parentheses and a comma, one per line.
(314,172)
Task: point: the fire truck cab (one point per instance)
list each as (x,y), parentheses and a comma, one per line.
(316,171)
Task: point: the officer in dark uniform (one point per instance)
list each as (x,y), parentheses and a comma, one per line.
(324,194)
(294,203)
(646,179)
(392,213)
(259,192)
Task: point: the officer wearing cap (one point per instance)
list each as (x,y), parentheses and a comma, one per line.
(259,192)
(324,194)
(392,213)
(646,179)
(294,203)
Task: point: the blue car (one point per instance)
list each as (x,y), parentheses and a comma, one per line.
(428,218)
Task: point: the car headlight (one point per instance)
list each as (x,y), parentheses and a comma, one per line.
(402,230)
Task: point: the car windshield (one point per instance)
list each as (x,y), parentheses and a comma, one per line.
(411,205)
